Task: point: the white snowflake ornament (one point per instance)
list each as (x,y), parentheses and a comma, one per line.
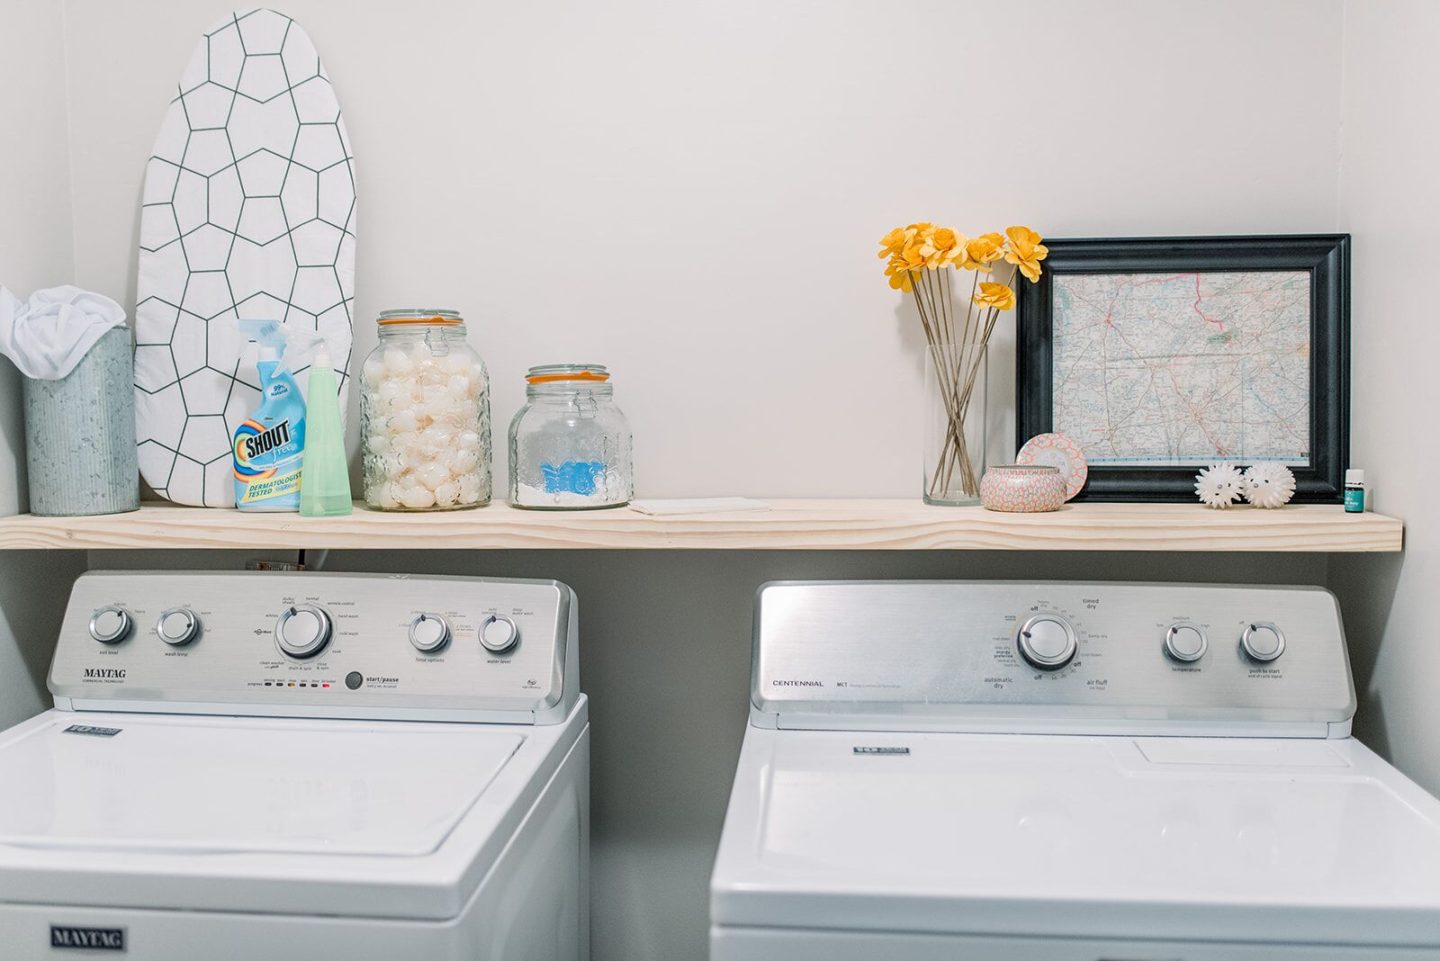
(1219,485)
(1269,485)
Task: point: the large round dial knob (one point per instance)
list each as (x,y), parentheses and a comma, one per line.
(1262,642)
(1185,642)
(429,633)
(302,631)
(111,625)
(1047,641)
(498,633)
(178,626)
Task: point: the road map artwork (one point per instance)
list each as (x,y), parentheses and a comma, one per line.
(1184,368)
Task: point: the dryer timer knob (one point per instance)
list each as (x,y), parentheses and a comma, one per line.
(1047,641)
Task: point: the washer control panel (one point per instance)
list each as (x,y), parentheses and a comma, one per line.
(343,645)
(1100,655)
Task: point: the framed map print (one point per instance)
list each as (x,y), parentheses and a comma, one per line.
(1159,356)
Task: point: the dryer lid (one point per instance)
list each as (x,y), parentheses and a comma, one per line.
(239,785)
(1168,838)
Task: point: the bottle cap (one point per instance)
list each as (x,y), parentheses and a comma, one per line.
(1354,476)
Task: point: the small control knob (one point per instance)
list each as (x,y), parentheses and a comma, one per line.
(429,633)
(111,625)
(498,633)
(1047,641)
(178,626)
(1262,641)
(302,631)
(1186,642)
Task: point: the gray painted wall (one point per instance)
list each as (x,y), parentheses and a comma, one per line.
(36,250)
(1391,147)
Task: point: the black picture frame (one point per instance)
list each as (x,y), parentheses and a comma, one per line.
(1327,259)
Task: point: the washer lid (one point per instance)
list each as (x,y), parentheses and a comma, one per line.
(1170,838)
(188,784)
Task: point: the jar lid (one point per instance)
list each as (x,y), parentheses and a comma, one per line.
(419,315)
(555,373)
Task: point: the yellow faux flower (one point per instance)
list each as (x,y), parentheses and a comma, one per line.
(924,246)
(914,256)
(999,296)
(1025,251)
(982,250)
(899,274)
(894,242)
(940,247)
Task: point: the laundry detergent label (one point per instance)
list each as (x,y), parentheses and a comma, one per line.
(268,459)
(269,446)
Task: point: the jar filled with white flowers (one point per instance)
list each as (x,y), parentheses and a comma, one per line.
(425,415)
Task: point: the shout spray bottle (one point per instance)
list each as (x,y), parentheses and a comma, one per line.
(269,446)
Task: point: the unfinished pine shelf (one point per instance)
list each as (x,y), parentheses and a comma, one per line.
(788,525)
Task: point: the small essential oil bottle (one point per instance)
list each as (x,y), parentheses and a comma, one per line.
(1354,491)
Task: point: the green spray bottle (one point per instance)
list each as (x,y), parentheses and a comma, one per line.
(324,476)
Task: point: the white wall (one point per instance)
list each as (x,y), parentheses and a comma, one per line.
(36,250)
(1391,152)
(691,192)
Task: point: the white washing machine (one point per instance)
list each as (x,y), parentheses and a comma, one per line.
(1065,772)
(289,766)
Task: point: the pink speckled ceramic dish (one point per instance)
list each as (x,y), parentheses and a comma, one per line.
(1023,488)
(1060,452)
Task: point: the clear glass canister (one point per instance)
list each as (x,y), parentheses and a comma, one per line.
(425,415)
(570,446)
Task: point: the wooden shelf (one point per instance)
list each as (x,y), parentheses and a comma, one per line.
(788,525)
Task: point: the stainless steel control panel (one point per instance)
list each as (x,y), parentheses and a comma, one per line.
(318,645)
(1067,657)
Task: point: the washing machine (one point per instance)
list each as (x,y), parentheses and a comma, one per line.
(1065,772)
(289,766)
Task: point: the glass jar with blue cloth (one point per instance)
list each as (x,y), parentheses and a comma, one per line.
(570,446)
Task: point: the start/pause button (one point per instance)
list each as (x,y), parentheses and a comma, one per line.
(354,679)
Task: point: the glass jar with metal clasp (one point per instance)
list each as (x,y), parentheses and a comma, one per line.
(425,415)
(570,445)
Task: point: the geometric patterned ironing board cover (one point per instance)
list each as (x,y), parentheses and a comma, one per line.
(248,212)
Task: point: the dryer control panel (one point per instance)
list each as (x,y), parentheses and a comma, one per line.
(1065,657)
(313,644)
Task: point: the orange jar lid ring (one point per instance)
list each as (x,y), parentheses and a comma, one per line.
(421,315)
(559,373)
(581,375)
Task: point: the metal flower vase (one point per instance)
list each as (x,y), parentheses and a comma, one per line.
(954,423)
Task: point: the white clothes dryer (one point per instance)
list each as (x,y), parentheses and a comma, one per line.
(289,766)
(1065,772)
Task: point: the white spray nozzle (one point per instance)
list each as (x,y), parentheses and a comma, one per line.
(275,336)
